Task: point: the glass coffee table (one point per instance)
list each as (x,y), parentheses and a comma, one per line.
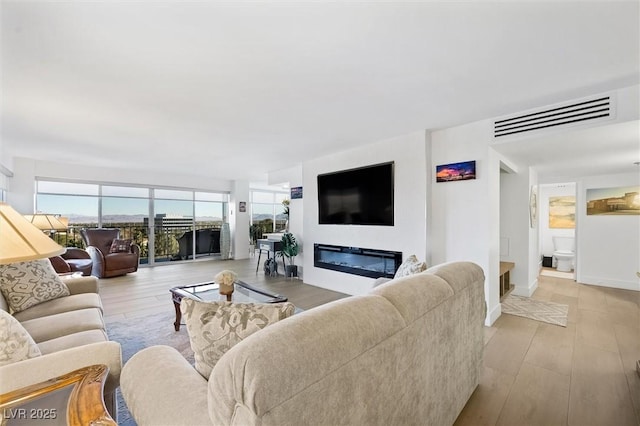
(208,292)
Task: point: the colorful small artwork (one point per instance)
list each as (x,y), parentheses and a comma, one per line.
(614,201)
(562,212)
(296,192)
(456,171)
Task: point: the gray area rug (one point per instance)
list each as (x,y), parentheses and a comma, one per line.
(138,333)
(539,310)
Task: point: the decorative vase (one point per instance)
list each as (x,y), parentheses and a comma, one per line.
(225,241)
(225,289)
(226,280)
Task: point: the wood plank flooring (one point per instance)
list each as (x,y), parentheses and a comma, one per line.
(542,374)
(534,373)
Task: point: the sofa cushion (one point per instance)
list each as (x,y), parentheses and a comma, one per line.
(26,284)
(215,327)
(72,340)
(60,305)
(410,266)
(52,326)
(15,342)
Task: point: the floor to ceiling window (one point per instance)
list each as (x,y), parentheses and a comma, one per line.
(267,210)
(184,221)
(127,208)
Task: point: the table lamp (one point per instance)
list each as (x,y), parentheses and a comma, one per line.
(20,240)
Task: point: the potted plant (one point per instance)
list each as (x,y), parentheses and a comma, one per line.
(255,233)
(289,249)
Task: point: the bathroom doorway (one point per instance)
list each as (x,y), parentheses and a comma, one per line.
(557,220)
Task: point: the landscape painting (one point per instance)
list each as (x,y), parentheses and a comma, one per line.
(562,212)
(614,201)
(456,171)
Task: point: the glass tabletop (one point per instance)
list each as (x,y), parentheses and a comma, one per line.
(243,293)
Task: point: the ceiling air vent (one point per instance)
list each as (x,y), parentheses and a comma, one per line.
(594,109)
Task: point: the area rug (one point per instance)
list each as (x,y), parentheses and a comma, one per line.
(539,310)
(138,333)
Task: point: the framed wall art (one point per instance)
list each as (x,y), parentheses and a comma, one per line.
(465,170)
(618,201)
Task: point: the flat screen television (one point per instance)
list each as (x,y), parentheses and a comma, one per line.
(362,196)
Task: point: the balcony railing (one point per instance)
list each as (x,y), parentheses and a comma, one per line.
(166,237)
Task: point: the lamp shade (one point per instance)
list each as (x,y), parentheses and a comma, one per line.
(64,221)
(21,241)
(46,222)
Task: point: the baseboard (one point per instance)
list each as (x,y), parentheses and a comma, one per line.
(525,291)
(493,315)
(606,282)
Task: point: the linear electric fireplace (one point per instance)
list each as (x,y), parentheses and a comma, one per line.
(358,261)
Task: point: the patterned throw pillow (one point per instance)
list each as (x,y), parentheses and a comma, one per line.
(120,246)
(26,284)
(15,343)
(410,266)
(215,327)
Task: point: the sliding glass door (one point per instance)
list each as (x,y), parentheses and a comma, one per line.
(167,224)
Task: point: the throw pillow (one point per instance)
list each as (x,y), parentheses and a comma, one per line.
(26,284)
(215,327)
(15,343)
(410,266)
(120,246)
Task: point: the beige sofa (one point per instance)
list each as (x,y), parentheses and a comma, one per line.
(409,353)
(70,333)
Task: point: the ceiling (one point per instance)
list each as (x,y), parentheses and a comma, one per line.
(237,89)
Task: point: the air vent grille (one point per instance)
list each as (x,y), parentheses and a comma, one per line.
(568,114)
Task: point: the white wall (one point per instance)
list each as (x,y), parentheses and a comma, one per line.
(409,233)
(516,232)
(239,221)
(608,247)
(466,214)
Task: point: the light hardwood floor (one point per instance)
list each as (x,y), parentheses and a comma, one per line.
(534,373)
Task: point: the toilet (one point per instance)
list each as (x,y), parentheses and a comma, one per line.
(564,252)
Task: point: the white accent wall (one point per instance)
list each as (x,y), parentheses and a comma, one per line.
(409,233)
(608,246)
(466,214)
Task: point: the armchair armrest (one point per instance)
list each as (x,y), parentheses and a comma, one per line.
(75,253)
(35,370)
(79,285)
(60,265)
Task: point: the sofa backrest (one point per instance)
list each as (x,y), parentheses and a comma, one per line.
(409,352)
(100,238)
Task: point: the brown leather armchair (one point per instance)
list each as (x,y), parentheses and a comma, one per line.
(107,260)
(73,260)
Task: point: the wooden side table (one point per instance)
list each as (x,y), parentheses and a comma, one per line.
(74,399)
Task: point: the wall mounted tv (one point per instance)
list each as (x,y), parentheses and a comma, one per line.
(362,196)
